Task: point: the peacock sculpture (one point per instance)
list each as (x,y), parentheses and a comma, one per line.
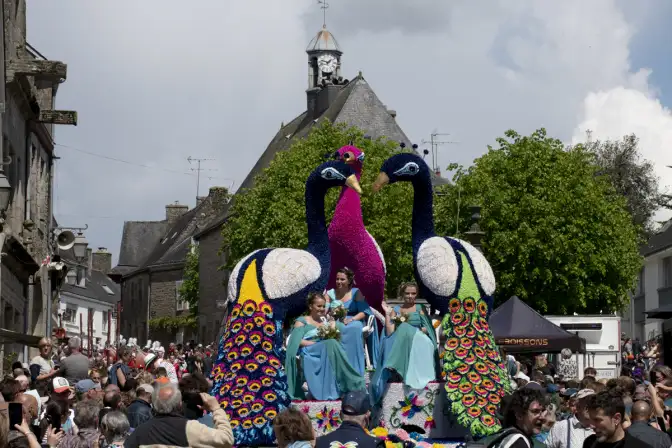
(457,281)
(264,287)
(351,244)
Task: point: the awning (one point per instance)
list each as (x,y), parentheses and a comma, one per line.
(520,329)
(12,337)
(663,312)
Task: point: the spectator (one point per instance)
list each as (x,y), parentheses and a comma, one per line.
(152,364)
(115,428)
(59,416)
(168,427)
(86,420)
(590,371)
(76,366)
(524,416)
(88,390)
(607,412)
(11,389)
(111,402)
(29,404)
(191,387)
(293,427)
(42,366)
(640,428)
(355,416)
(140,410)
(120,371)
(575,430)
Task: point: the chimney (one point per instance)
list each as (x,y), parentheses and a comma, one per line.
(102,260)
(89,259)
(174,211)
(200,199)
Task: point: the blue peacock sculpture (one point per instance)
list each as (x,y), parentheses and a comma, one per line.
(265,287)
(457,281)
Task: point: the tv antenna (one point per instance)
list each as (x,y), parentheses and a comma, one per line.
(198,170)
(324,6)
(434,143)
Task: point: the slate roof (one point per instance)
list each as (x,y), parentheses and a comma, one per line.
(94,288)
(137,241)
(659,241)
(356,104)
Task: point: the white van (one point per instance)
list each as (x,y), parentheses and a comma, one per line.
(602,334)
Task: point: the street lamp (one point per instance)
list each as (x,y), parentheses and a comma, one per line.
(80,245)
(475,234)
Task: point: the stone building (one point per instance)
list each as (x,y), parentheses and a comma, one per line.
(89,298)
(329,97)
(151,266)
(26,176)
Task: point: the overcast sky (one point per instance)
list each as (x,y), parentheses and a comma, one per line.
(157,81)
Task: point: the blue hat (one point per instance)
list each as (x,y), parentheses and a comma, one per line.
(356,402)
(83,386)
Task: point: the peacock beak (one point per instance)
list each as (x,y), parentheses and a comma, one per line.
(353,183)
(382,180)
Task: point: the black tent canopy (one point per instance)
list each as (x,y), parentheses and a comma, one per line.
(519,329)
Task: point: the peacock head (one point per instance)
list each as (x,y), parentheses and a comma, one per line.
(351,155)
(402,167)
(335,173)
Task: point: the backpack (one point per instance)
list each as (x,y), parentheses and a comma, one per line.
(502,439)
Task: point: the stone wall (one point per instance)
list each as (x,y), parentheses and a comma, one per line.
(212,285)
(134,303)
(164,293)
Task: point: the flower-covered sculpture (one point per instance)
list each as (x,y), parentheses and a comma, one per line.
(265,287)
(351,244)
(457,281)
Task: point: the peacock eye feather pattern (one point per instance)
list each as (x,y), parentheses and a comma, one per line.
(264,288)
(458,282)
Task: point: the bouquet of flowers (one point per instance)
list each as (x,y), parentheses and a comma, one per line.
(329,332)
(339,313)
(399,319)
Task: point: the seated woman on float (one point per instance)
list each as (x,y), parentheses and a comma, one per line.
(324,363)
(357,312)
(408,345)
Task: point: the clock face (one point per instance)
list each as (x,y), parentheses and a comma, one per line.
(327,63)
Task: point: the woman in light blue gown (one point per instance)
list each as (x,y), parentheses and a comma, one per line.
(324,363)
(358,311)
(409,349)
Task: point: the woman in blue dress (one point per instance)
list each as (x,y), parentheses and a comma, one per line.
(408,347)
(324,363)
(358,311)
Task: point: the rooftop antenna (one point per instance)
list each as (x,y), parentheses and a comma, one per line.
(324,6)
(198,170)
(434,143)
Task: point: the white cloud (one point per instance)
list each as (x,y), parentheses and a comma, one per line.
(613,113)
(158,80)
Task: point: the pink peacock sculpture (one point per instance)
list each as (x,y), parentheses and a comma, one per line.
(350,243)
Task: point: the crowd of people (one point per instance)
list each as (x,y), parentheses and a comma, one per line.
(122,397)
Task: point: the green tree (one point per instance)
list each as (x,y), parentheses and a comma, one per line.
(189,289)
(631,175)
(272,213)
(557,233)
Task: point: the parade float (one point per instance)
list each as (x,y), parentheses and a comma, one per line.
(269,286)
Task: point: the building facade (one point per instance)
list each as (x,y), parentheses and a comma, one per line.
(89,299)
(329,96)
(151,269)
(26,160)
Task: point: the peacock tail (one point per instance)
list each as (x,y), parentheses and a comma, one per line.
(476,378)
(249,379)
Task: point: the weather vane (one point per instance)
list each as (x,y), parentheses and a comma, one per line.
(324,5)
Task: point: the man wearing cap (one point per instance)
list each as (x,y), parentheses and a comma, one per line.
(140,410)
(87,388)
(61,389)
(571,433)
(355,415)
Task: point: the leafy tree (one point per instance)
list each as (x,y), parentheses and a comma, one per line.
(190,281)
(272,213)
(556,233)
(631,175)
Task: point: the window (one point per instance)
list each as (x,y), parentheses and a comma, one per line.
(108,290)
(639,287)
(180,305)
(667,272)
(105,319)
(70,315)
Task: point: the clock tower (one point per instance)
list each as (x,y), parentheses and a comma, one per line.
(324,60)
